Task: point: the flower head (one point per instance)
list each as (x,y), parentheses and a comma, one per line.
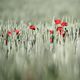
(64,24)
(60,30)
(17,31)
(51,40)
(57,21)
(51,31)
(9,33)
(32,27)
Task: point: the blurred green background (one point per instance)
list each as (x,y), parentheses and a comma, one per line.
(38,9)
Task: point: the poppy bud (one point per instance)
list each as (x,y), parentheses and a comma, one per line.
(63,35)
(6,42)
(2,35)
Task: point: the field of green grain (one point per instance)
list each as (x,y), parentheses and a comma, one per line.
(20,60)
(32,56)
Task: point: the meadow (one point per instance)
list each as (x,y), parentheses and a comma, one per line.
(40,50)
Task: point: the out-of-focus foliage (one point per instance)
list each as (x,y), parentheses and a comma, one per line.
(39,9)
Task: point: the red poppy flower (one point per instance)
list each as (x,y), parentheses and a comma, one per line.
(32,27)
(60,30)
(17,31)
(51,31)
(64,24)
(9,33)
(51,40)
(57,21)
